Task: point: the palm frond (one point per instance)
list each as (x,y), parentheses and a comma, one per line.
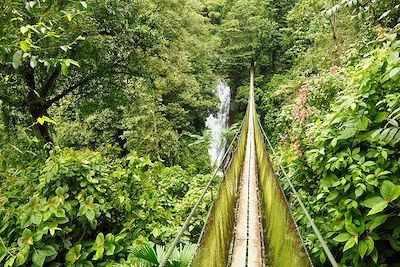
(147,253)
(184,254)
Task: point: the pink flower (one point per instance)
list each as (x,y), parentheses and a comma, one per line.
(297,149)
(333,69)
(300,111)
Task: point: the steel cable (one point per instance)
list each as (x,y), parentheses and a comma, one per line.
(327,251)
(192,212)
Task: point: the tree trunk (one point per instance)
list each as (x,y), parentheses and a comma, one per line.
(36,105)
(37,111)
(334,27)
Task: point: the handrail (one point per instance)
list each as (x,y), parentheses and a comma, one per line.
(327,251)
(191,214)
(251,104)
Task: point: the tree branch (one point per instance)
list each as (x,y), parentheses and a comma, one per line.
(47,85)
(69,90)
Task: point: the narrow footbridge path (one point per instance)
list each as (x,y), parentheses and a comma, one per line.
(250,222)
(247,244)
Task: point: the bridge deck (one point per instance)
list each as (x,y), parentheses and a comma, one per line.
(247,244)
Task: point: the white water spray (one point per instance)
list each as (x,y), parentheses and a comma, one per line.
(219,123)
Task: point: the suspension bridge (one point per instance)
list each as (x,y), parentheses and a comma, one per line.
(249,222)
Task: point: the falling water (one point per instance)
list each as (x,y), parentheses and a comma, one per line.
(219,123)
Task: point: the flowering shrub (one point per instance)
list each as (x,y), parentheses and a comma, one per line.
(350,172)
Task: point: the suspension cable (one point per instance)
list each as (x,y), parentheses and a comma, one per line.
(310,220)
(192,212)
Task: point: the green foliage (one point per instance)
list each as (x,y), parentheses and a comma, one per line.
(81,208)
(351,166)
(140,81)
(333,120)
(152,257)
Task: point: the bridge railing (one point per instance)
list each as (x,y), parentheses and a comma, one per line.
(284,246)
(282,241)
(218,232)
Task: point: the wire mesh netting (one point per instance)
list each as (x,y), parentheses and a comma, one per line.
(218,232)
(283,244)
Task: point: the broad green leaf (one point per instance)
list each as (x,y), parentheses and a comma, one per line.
(347,133)
(156,232)
(370,202)
(24,45)
(59,191)
(128,207)
(49,250)
(36,218)
(99,246)
(351,228)
(334,142)
(20,259)
(17,59)
(390,191)
(378,207)
(370,243)
(377,221)
(369,163)
(374,255)
(90,215)
(394,243)
(10,262)
(362,248)
(394,72)
(38,257)
(393,57)
(384,154)
(359,191)
(110,250)
(84,4)
(381,116)
(109,239)
(44,119)
(343,237)
(73,254)
(375,135)
(384,133)
(26,238)
(64,69)
(350,243)
(322,257)
(391,134)
(332,196)
(60,213)
(22,256)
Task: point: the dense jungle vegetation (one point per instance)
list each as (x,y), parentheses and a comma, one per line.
(328,89)
(103,145)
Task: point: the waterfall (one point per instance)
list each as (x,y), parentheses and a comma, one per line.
(219,123)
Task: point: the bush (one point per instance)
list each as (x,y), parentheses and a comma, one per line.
(84,209)
(351,165)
